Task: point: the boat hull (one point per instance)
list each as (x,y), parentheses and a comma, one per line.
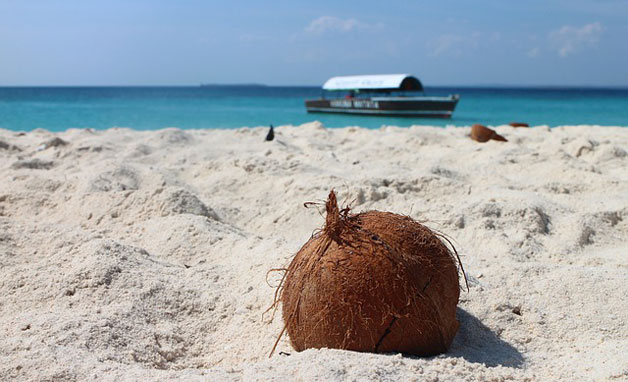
(432,107)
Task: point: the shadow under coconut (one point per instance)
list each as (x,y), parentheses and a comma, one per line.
(477,343)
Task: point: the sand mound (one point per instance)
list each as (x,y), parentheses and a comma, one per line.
(120,179)
(128,255)
(32,164)
(183,202)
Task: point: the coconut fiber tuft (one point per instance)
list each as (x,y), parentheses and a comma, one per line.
(373,282)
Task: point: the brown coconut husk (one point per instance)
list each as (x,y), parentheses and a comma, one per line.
(481,133)
(519,124)
(372,282)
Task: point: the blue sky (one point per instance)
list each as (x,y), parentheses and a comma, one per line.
(187,42)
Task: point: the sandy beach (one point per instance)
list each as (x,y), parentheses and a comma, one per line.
(143,255)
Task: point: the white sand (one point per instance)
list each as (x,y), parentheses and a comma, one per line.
(130,255)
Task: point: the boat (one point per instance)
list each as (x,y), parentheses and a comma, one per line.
(384,94)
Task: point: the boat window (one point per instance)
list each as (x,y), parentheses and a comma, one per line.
(361,94)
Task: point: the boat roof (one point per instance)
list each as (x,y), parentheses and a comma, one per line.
(380,82)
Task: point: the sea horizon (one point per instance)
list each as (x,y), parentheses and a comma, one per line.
(228,106)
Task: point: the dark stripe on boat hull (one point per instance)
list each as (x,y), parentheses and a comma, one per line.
(433,108)
(393,113)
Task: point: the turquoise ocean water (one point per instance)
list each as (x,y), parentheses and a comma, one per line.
(147,108)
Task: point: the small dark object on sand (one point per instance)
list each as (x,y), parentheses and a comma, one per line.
(482,133)
(271,134)
(519,124)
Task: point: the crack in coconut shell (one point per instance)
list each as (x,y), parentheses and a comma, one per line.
(386,332)
(363,273)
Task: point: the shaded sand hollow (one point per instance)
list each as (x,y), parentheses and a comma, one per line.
(128,255)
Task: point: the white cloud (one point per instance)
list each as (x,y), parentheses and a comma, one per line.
(453,44)
(569,39)
(325,24)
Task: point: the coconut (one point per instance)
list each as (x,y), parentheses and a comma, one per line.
(481,133)
(371,282)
